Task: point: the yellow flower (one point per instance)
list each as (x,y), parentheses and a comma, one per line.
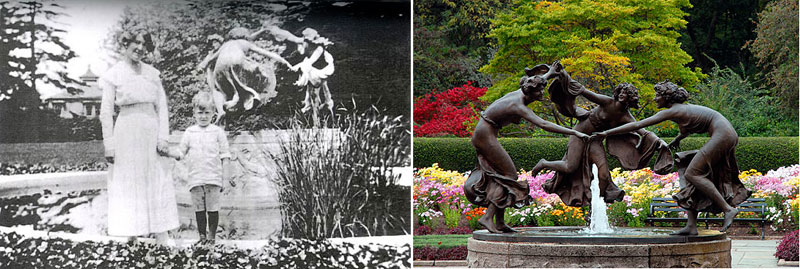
(446,177)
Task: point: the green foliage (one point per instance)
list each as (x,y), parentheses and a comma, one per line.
(440,65)
(600,43)
(447,240)
(760,153)
(451,216)
(751,111)
(718,29)
(776,48)
(451,42)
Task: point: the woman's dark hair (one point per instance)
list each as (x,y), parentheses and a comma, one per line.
(670,91)
(126,37)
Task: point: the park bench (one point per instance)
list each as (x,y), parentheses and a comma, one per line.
(667,204)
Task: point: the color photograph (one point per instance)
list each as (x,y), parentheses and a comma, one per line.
(605,133)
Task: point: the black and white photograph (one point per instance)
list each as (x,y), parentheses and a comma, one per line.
(205,134)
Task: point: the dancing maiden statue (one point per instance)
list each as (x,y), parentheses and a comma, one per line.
(573,176)
(709,177)
(493,183)
(231,65)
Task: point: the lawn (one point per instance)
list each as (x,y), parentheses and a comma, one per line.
(441,240)
(52,153)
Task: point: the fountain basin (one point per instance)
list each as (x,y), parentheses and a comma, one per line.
(570,247)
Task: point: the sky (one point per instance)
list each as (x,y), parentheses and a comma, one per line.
(87,23)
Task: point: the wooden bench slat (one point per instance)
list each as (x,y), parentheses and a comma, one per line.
(667,204)
(669,209)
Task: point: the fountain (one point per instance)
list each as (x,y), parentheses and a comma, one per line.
(598,245)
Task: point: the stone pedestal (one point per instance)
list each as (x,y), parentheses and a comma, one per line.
(709,249)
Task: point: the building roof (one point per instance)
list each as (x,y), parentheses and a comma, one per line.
(89,92)
(92,92)
(89,76)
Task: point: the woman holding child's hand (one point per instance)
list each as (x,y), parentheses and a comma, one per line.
(141,195)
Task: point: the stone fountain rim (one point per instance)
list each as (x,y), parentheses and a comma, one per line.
(703,236)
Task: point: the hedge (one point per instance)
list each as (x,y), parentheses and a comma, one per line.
(760,153)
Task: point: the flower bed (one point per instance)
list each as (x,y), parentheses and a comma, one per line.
(439,201)
(7,169)
(19,251)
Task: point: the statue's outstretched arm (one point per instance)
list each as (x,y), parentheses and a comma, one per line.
(269,54)
(207,60)
(528,115)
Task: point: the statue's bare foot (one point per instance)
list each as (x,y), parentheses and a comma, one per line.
(489,225)
(688,230)
(506,229)
(729,216)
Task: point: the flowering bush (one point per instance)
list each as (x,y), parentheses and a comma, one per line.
(447,113)
(787,248)
(19,251)
(780,189)
(21,169)
(439,193)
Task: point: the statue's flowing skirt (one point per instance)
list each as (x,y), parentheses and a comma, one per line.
(486,186)
(715,161)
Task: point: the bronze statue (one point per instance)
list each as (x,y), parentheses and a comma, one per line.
(493,183)
(709,176)
(573,172)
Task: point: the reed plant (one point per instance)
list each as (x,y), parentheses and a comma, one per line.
(338,181)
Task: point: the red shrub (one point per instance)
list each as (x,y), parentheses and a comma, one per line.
(787,249)
(423,230)
(447,112)
(435,253)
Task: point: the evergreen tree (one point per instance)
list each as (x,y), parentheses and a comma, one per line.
(26,27)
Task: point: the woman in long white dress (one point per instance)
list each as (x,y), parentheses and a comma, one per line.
(141,195)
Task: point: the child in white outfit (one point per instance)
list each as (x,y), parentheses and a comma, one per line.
(204,147)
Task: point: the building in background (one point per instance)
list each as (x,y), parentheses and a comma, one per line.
(83,104)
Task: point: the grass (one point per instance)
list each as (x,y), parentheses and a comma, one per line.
(447,240)
(52,153)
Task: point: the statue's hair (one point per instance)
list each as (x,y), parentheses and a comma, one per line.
(215,37)
(626,87)
(671,92)
(310,34)
(537,80)
(203,100)
(238,33)
(127,36)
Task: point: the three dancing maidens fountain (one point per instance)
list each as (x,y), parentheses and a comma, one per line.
(582,178)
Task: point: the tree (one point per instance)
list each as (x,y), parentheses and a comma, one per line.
(717,30)
(601,44)
(776,49)
(451,42)
(18,66)
(32,55)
